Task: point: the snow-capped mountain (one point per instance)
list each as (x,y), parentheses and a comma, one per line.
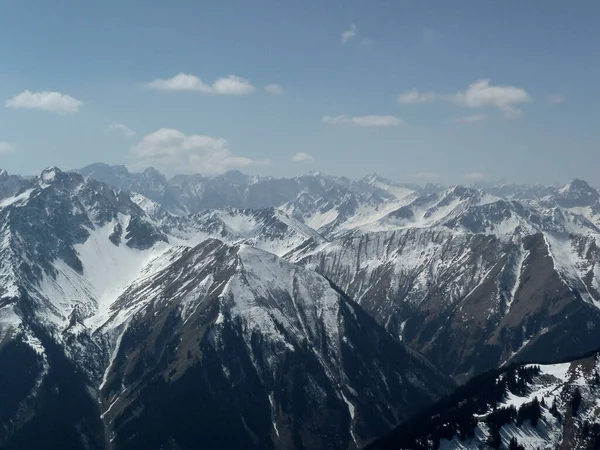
(528,407)
(337,211)
(262,352)
(187,194)
(514,191)
(470,279)
(398,190)
(298,304)
(150,183)
(578,197)
(269,229)
(10,184)
(123,325)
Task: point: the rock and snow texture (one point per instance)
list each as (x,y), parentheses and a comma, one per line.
(236,313)
(546,406)
(226,280)
(106,297)
(459,273)
(268,229)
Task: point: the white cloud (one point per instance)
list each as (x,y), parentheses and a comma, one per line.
(475,176)
(181,82)
(232,85)
(45,101)
(363,121)
(348,34)
(302,157)
(128,132)
(274,89)
(229,85)
(481,94)
(6,148)
(470,118)
(174,151)
(555,99)
(424,176)
(414,96)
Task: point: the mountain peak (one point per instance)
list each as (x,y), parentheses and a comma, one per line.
(576,184)
(151,170)
(373,178)
(50,174)
(577,192)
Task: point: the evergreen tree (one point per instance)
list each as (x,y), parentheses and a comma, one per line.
(575,401)
(514,445)
(554,410)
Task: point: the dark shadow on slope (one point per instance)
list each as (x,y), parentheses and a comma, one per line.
(63,414)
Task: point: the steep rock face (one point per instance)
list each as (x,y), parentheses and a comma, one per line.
(136,340)
(243,340)
(576,193)
(576,196)
(11,185)
(117,309)
(527,406)
(50,231)
(471,301)
(46,399)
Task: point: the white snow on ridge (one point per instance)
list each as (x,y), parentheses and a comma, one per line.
(320,219)
(397,191)
(366,216)
(261,228)
(568,264)
(9,322)
(548,385)
(17,199)
(260,276)
(150,207)
(108,270)
(558,371)
(523,254)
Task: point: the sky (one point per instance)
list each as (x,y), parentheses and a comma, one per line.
(448,91)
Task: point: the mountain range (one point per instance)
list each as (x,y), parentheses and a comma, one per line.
(309,313)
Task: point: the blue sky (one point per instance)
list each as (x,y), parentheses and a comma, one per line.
(448,91)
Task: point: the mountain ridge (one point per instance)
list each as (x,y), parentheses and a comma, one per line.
(110,314)
(123,296)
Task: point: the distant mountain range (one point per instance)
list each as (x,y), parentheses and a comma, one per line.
(311,312)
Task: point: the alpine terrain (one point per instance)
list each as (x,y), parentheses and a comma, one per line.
(522,407)
(124,326)
(144,312)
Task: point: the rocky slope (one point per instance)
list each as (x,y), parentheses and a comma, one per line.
(115,307)
(507,260)
(548,406)
(119,330)
(264,354)
(471,280)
